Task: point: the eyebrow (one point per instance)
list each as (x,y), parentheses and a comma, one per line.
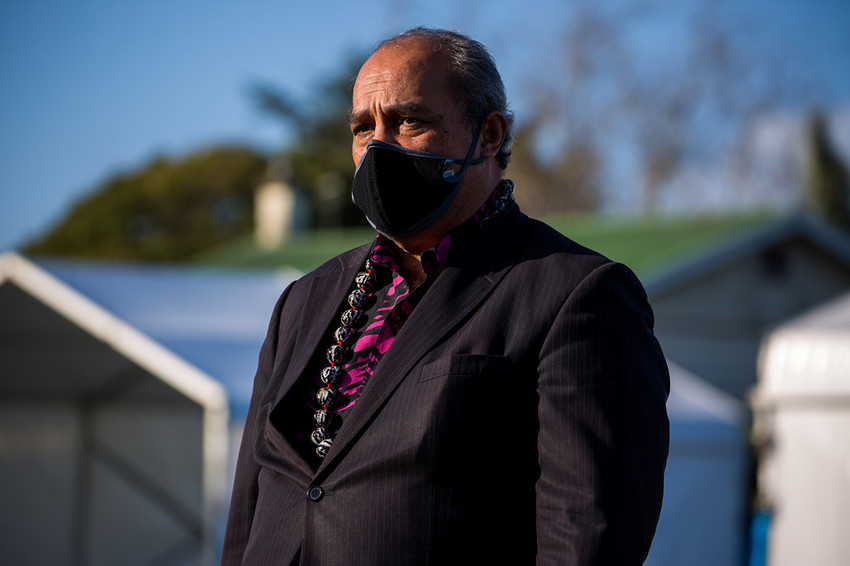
(401,109)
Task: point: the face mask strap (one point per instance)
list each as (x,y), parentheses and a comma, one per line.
(458,177)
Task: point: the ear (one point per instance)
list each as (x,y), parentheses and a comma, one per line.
(493,134)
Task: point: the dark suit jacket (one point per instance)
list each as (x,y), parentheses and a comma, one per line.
(519,415)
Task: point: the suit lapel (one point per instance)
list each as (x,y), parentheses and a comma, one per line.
(460,288)
(321,303)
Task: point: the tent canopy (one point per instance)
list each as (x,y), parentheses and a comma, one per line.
(215,319)
(701,520)
(111,447)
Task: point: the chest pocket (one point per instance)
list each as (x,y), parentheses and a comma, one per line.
(469,365)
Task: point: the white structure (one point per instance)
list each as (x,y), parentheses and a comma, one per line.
(802,405)
(112,448)
(274,208)
(702,519)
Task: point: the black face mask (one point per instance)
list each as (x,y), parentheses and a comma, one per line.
(402,191)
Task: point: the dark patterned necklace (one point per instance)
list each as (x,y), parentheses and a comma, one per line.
(354,317)
(338,353)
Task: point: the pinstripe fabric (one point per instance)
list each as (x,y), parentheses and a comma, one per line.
(518,417)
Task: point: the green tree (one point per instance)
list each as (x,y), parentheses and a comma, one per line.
(318,159)
(168,210)
(827,180)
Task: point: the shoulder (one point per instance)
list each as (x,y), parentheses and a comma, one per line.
(544,237)
(550,265)
(547,250)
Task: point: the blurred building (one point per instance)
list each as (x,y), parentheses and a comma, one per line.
(713,308)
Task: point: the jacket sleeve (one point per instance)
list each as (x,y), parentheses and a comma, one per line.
(603,428)
(244,496)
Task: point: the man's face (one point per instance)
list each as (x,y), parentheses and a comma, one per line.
(402,96)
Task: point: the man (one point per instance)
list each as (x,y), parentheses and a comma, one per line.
(471,386)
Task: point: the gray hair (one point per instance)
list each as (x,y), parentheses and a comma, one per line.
(477,79)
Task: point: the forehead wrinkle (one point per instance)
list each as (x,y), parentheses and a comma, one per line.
(369,85)
(375,81)
(374,74)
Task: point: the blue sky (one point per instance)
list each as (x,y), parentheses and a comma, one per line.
(93,88)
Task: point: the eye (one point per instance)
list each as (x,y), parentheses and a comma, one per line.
(360,129)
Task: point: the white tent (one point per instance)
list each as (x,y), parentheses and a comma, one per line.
(112,449)
(803,406)
(704,512)
(214,318)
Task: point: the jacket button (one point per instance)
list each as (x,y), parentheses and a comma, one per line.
(315,493)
